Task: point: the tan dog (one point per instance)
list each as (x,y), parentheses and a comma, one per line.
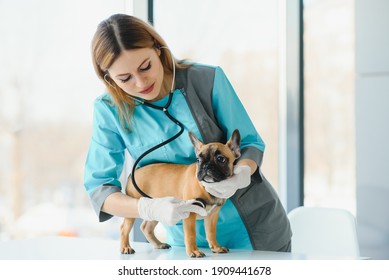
(215,162)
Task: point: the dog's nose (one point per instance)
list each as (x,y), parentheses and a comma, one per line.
(205,166)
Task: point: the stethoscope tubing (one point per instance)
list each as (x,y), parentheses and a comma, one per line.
(165,110)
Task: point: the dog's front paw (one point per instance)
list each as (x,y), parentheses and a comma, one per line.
(219,249)
(195,253)
(127,250)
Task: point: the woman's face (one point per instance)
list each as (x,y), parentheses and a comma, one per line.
(139,72)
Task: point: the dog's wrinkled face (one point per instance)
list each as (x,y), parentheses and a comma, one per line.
(215,161)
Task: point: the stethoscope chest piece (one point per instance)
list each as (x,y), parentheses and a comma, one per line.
(200,202)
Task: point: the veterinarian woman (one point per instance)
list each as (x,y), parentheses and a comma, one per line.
(134,63)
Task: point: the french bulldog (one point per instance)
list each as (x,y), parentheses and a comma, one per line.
(215,162)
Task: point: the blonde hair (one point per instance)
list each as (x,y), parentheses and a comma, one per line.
(123,32)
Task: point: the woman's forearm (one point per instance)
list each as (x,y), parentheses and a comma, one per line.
(121,205)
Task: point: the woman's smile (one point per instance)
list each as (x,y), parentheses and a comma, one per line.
(148,90)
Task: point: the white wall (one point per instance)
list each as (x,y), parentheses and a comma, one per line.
(372,128)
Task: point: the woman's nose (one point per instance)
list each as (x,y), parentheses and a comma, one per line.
(140,81)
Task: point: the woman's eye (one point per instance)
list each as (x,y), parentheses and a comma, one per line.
(126,79)
(221,159)
(147,67)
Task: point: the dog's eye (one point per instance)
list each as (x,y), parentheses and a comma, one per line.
(221,159)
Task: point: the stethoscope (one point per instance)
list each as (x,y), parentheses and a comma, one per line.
(198,201)
(166,111)
(178,123)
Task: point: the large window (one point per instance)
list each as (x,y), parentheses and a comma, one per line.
(329,104)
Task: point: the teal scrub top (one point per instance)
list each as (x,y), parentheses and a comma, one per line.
(150,127)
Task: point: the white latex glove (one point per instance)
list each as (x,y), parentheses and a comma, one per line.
(227,188)
(167,210)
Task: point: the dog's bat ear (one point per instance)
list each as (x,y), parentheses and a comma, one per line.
(234,143)
(197,144)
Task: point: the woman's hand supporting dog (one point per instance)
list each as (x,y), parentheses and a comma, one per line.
(226,188)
